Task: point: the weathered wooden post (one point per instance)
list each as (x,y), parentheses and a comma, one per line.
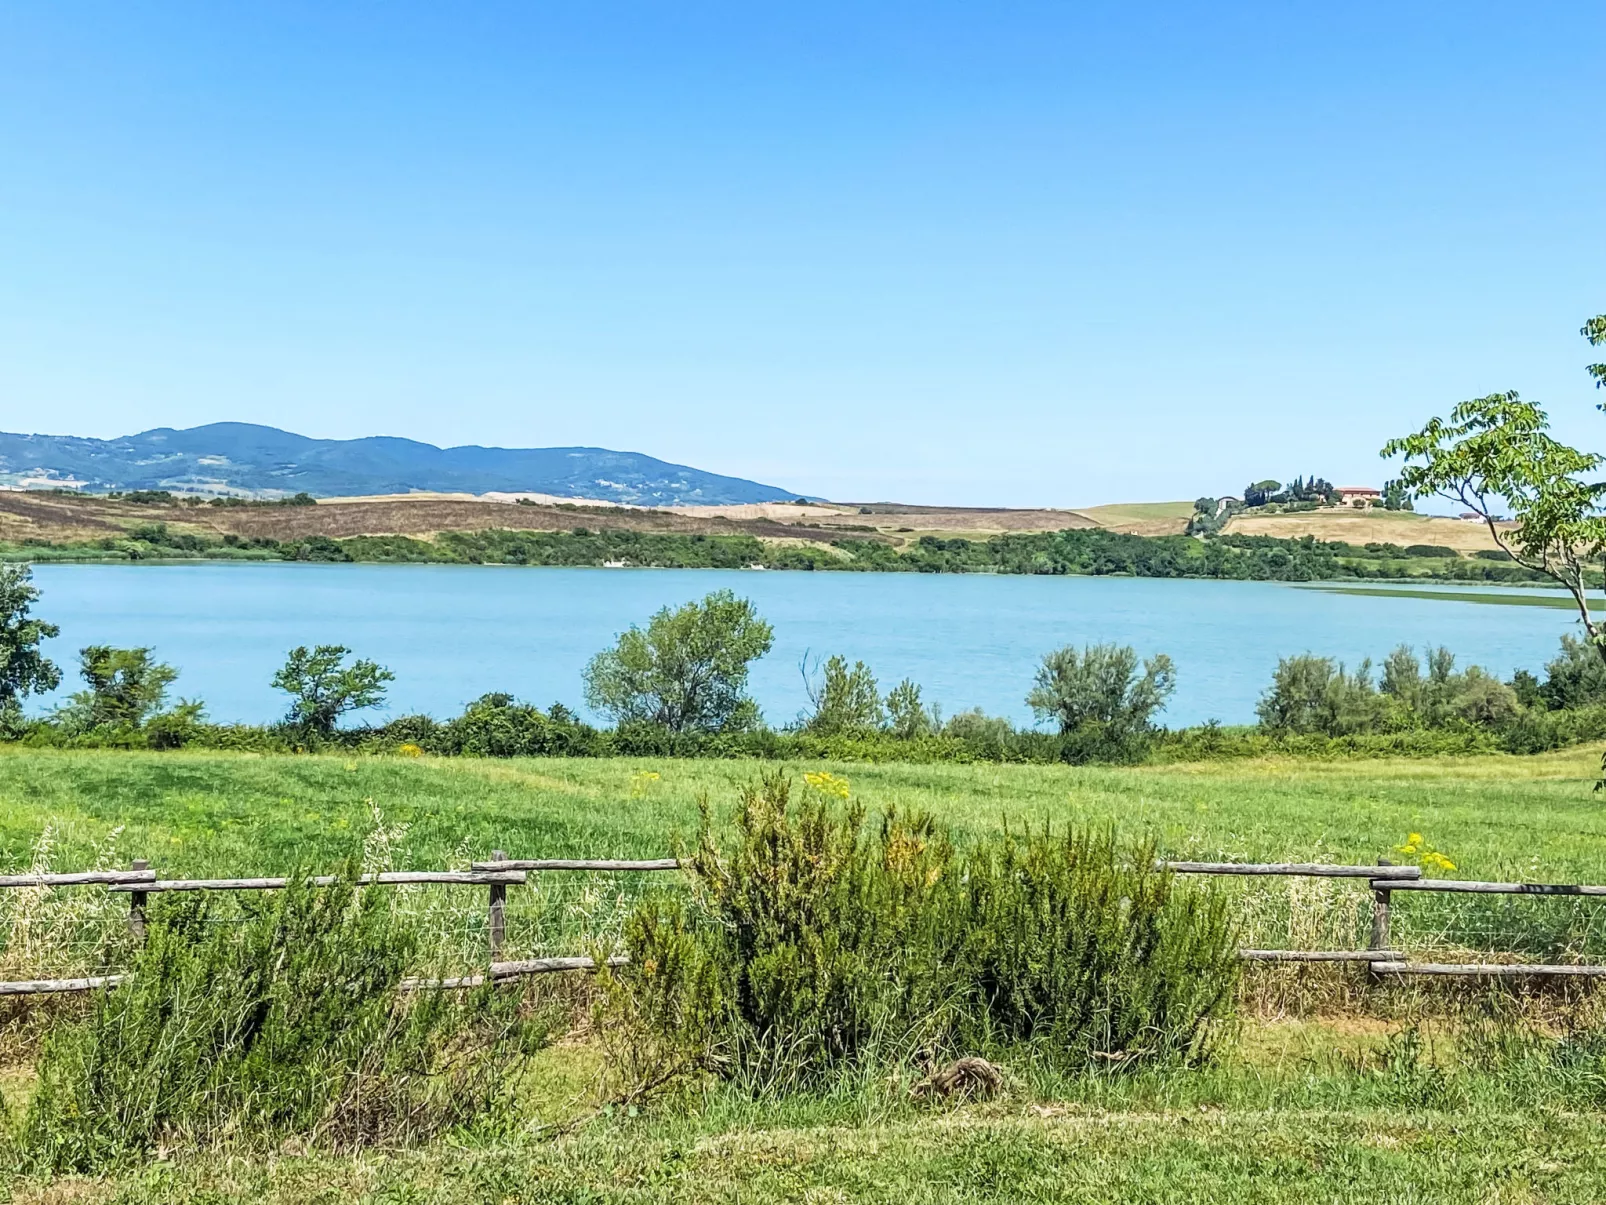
(1380,915)
(496,913)
(136,905)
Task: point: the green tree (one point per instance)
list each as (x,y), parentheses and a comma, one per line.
(1576,678)
(1595,331)
(1395,497)
(1315,694)
(24,670)
(1498,448)
(126,686)
(687,672)
(907,716)
(323,688)
(844,700)
(1100,685)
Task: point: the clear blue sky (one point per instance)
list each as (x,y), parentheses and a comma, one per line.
(970,253)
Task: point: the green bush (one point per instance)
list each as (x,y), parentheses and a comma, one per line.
(813,942)
(496,725)
(1576,678)
(1085,949)
(1315,694)
(290,1021)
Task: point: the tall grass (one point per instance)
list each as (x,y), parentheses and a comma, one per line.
(290,1023)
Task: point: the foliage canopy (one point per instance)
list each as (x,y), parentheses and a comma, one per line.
(323,688)
(687,671)
(24,670)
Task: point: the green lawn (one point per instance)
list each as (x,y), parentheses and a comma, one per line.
(1299,1111)
(239,815)
(210,813)
(974,1155)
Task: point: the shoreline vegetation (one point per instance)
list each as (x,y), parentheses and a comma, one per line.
(677,687)
(1070,552)
(1530,597)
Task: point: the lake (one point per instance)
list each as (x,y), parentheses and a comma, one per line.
(452,632)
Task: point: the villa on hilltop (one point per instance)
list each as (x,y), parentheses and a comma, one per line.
(1361,497)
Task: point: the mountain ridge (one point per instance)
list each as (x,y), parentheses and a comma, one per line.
(254,460)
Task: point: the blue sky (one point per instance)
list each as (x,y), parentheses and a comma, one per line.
(985,254)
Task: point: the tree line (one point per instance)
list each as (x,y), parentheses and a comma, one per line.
(1087,551)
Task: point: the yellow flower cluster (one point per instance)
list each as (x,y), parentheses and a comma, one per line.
(1428,858)
(641,780)
(827,784)
(410,750)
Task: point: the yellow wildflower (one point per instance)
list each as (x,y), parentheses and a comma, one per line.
(1421,849)
(410,750)
(827,784)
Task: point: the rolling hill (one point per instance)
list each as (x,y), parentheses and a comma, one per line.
(265,462)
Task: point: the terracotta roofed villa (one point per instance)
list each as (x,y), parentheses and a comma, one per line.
(1359,496)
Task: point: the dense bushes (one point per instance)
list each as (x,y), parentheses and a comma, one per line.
(1314,696)
(288,1020)
(813,942)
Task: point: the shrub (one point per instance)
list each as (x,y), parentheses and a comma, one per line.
(1098,696)
(496,725)
(1576,678)
(1315,694)
(843,699)
(907,716)
(813,942)
(291,1022)
(1085,949)
(176,727)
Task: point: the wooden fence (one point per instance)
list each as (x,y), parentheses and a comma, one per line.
(139,882)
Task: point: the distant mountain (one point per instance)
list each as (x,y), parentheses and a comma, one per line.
(243,458)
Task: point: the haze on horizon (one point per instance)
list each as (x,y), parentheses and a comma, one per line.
(1009,255)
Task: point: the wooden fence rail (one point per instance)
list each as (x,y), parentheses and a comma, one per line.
(476,877)
(1472,885)
(500,871)
(1318,870)
(77,878)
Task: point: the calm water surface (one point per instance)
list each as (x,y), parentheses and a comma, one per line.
(451,633)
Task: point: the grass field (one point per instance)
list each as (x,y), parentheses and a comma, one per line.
(217,813)
(1366,526)
(1308,1108)
(1142,518)
(1508,599)
(975,1154)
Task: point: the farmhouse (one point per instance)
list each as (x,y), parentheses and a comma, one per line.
(1362,497)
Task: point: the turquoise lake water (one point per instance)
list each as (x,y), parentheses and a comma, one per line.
(451,633)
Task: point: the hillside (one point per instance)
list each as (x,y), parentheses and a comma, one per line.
(59,517)
(1401,527)
(254,461)
(52,517)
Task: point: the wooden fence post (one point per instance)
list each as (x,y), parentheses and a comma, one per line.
(1380,914)
(136,905)
(496,913)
